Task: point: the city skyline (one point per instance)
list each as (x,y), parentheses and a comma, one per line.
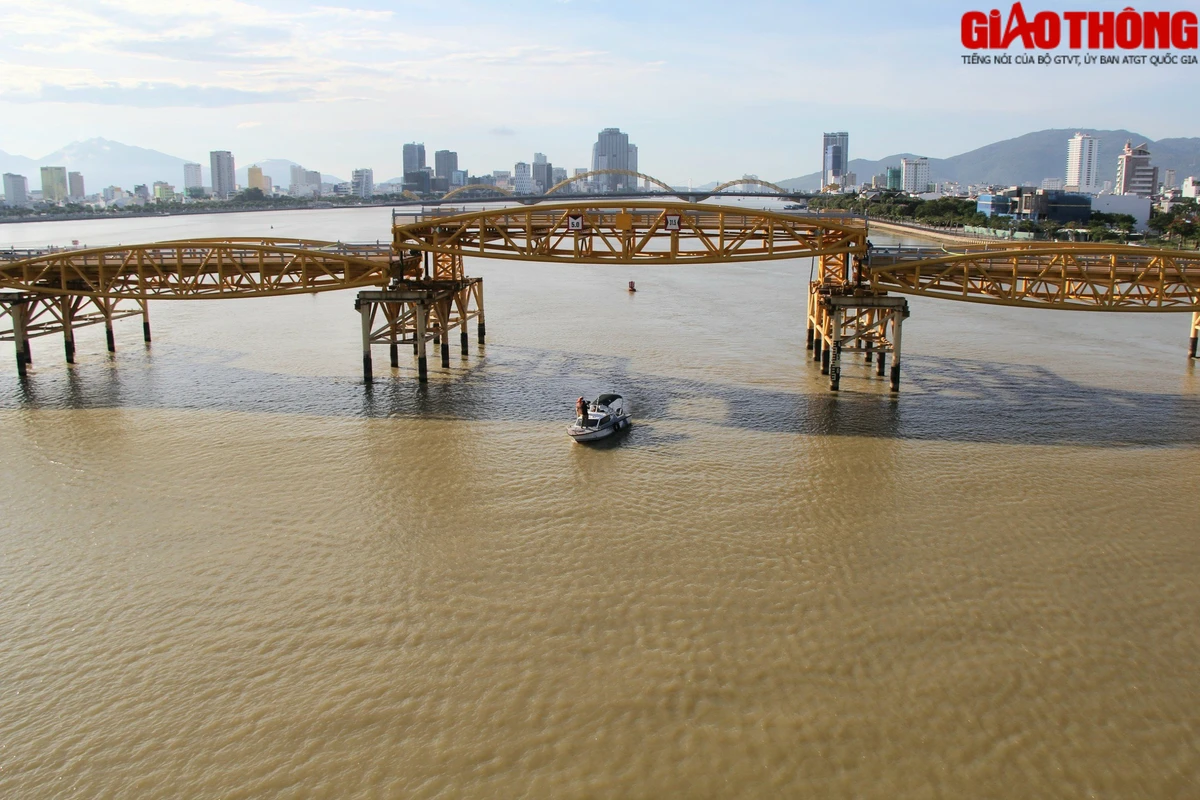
(248,76)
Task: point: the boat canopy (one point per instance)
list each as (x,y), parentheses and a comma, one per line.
(607,399)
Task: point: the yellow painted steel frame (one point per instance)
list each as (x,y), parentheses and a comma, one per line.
(626,172)
(636,232)
(750,182)
(200,268)
(1088,277)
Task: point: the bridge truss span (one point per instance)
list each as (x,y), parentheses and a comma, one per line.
(632,232)
(199,268)
(1090,277)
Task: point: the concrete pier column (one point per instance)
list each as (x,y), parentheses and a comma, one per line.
(881,368)
(808,316)
(445,352)
(394,352)
(897,321)
(1195,334)
(479,304)
(364,309)
(66,309)
(825,358)
(817,342)
(421,313)
(463,340)
(20,342)
(146,321)
(835,355)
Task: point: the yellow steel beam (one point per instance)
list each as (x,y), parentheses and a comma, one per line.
(1092,277)
(608,231)
(200,268)
(626,172)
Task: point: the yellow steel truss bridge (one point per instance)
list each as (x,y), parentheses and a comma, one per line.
(416,289)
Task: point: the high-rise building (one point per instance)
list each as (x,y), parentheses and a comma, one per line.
(458,177)
(254,178)
(304,182)
(543,173)
(1134,173)
(445,162)
(75,192)
(1169,179)
(193,178)
(163,192)
(1083,164)
(362,183)
(558,175)
(895,179)
(914,175)
(1191,187)
(54,184)
(612,150)
(414,157)
(223,183)
(16,190)
(523,179)
(835,158)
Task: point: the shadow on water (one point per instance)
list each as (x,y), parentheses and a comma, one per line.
(944,399)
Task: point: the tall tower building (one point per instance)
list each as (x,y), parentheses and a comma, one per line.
(193,178)
(543,172)
(1083,166)
(1134,173)
(1169,179)
(223,183)
(414,157)
(914,175)
(835,158)
(75,192)
(523,179)
(16,190)
(254,179)
(612,150)
(54,184)
(445,162)
(362,183)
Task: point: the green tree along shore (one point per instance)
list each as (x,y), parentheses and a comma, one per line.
(1178,226)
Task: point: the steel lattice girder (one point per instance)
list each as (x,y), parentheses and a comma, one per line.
(1093,277)
(630,232)
(197,268)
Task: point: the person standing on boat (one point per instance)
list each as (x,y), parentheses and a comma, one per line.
(581,411)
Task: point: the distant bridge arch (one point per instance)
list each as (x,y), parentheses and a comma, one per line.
(750,182)
(476,187)
(626,172)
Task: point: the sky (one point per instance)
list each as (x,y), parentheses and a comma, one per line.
(707,90)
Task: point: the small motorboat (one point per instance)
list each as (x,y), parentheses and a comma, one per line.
(604,416)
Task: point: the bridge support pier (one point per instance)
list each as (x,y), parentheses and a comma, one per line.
(1195,333)
(844,316)
(67,306)
(364,309)
(418,312)
(14,306)
(145,321)
(421,317)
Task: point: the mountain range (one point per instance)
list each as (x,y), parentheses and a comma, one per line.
(1026,159)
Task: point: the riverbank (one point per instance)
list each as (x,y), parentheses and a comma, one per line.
(933,234)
